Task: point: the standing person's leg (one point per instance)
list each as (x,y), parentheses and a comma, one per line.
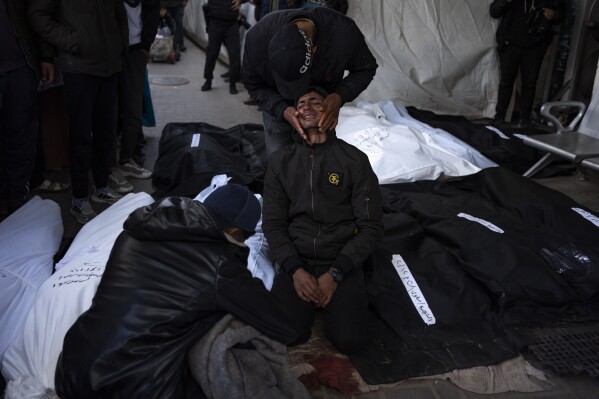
(530,67)
(346,316)
(303,312)
(80,91)
(233,47)
(18,134)
(509,61)
(216,33)
(277,133)
(131,92)
(103,138)
(177,13)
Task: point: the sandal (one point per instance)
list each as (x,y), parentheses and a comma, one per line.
(49,186)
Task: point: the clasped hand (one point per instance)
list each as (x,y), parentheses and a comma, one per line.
(318,291)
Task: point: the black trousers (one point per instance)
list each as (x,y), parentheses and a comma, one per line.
(131,98)
(18,133)
(177,13)
(346,316)
(528,61)
(220,32)
(92,111)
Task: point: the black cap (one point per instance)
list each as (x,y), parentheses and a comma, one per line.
(234,206)
(290,60)
(310,89)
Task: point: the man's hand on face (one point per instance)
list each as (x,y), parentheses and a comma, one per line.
(330,112)
(291,115)
(327,285)
(306,286)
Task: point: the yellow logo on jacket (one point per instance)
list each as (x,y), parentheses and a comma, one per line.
(334,179)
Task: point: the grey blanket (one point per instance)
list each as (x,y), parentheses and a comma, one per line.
(226,372)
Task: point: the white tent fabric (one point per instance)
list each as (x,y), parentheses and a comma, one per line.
(437,55)
(30,361)
(398,153)
(29,238)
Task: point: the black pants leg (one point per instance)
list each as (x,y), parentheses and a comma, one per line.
(216,36)
(530,66)
(509,62)
(233,46)
(18,133)
(131,92)
(91,106)
(304,312)
(177,14)
(346,315)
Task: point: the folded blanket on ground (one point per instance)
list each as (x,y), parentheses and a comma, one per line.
(225,369)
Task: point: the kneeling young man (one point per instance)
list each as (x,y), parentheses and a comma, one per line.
(322,217)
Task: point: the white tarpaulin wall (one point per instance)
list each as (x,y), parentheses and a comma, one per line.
(437,55)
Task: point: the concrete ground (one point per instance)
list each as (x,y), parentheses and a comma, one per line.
(187,103)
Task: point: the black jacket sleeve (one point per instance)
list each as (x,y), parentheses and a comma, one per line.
(361,67)
(267,98)
(41,17)
(275,214)
(246,298)
(500,7)
(150,14)
(367,207)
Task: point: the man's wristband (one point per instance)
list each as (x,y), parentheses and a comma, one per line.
(336,274)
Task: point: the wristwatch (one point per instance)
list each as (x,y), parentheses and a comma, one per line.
(337,274)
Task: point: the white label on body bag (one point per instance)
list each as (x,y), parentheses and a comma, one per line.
(587,215)
(195,140)
(413,290)
(488,225)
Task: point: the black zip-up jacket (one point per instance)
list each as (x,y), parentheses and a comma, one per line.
(33,47)
(519,27)
(340,47)
(90,35)
(171,275)
(322,205)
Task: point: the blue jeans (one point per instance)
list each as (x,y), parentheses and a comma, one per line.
(277,133)
(177,14)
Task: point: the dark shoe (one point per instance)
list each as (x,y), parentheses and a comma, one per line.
(182,48)
(82,210)
(233,88)
(249,101)
(207,85)
(524,123)
(177,56)
(225,75)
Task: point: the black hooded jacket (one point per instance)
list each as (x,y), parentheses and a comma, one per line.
(170,277)
(322,205)
(340,47)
